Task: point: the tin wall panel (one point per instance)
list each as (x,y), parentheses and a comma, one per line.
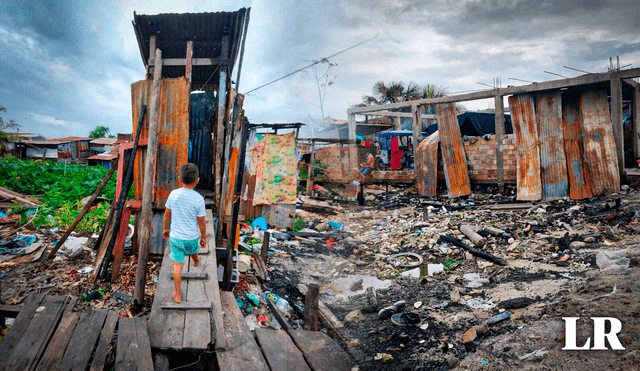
(524,126)
(553,161)
(140,92)
(201,111)
(599,144)
(579,187)
(454,160)
(427,165)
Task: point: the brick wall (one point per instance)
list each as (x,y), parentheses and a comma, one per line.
(482,160)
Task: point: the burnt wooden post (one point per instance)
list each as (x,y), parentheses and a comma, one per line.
(416,118)
(311,308)
(310,169)
(146,212)
(353,148)
(264,253)
(636,121)
(616,118)
(499,123)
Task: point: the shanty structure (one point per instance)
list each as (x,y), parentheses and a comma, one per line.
(568,141)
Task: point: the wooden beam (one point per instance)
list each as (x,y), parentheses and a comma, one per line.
(401,114)
(636,121)
(416,126)
(188,61)
(172,62)
(353,149)
(616,118)
(146,213)
(244,39)
(310,169)
(152,51)
(499,122)
(219,150)
(264,252)
(311,308)
(511,90)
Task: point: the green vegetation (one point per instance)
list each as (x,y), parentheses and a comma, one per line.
(61,188)
(99,132)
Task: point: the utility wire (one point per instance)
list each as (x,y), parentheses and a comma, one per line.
(322,60)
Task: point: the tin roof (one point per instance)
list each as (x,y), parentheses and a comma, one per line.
(110,154)
(204,29)
(105,141)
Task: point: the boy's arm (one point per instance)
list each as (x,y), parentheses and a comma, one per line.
(203,231)
(165,222)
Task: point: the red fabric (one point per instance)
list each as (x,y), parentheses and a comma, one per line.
(396,154)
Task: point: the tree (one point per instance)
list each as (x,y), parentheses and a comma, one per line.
(393,93)
(7,125)
(99,132)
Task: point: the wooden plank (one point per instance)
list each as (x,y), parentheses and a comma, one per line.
(311,308)
(166,328)
(170,62)
(617,118)
(636,121)
(106,335)
(326,315)
(599,143)
(18,328)
(134,349)
(187,305)
(427,165)
(194,276)
(211,287)
(279,350)
(498,103)
(83,341)
(579,187)
(315,347)
(197,323)
(242,352)
(11,311)
(58,344)
(453,157)
(189,61)
(28,351)
(524,126)
(553,161)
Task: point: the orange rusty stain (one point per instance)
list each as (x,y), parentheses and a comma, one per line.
(553,161)
(454,160)
(524,127)
(233,167)
(427,165)
(579,184)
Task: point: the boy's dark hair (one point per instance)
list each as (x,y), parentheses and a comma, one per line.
(189,173)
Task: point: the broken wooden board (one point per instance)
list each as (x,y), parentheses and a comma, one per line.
(426,165)
(18,328)
(134,349)
(211,287)
(553,161)
(528,179)
(280,351)
(83,341)
(600,153)
(241,352)
(317,346)
(326,315)
(579,187)
(453,157)
(193,275)
(187,305)
(106,335)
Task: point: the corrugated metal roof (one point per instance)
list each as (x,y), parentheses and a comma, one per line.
(106,141)
(54,141)
(204,29)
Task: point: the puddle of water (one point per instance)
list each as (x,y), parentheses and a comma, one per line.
(341,286)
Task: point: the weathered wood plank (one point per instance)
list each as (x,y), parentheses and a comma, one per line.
(194,275)
(553,161)
(577,172)
(19,326)
(427,165)
(32,345)
(166,328)
(58,344)
(453,157)
(106,336)
(279,350)
(316,346)
(187,305)
(599,144)
(134,349)
(524,126)
(311,307)
(211,287)
(241,353)
(197,323)
(84,339)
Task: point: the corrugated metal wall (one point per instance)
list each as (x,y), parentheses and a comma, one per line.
(553,161)
(454,159)
(202,108)
(524,126)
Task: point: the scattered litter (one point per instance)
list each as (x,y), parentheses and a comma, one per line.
(610,260)
(476,303)
(536,354)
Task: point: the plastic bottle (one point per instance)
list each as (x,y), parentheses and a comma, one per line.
(280,303)
(92,295)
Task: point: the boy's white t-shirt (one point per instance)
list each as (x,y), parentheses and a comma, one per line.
(186,206)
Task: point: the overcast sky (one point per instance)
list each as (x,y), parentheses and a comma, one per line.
(67,66)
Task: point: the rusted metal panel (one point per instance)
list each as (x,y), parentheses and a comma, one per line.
(65,150)
(599,144)
(427,165)
(454,160)
(140,92)
(577,171)
(233,170)
(553,161)
(524,126)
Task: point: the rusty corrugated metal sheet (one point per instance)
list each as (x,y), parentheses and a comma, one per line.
(524,126)
(579,186)
(599,145)
(173,134)
(201,112)
(65,150)
(553,161)
(454,160)
(427,165)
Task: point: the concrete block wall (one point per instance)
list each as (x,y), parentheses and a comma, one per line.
(482,159)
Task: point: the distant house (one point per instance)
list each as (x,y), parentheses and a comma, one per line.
(16,144)
(106,150)
(63,150)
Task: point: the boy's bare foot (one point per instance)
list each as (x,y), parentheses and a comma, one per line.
(177,297)
(196,260)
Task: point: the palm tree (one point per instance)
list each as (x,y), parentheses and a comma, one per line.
(392,93)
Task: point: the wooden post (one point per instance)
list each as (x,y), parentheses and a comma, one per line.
(353,148)
(152,51)
(146,212)
(310,169)
(499,122)
(264,253)
(244,39)
(189,66)
(311,308)
(636,122)
(219,150)
(616,118)
(417,127)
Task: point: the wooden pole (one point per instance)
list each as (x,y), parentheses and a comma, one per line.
(218,149)
(189,62)
(84,210)
(353,148)
(244,39)
(152,51)
(636,121)
(499,122)
(146,212)
(616,118)
(264,253)
(417,127)
(310,169)
(311,308)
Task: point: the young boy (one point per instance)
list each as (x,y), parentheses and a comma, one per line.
(185,209)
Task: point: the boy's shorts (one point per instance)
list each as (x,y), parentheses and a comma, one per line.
(180,248)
